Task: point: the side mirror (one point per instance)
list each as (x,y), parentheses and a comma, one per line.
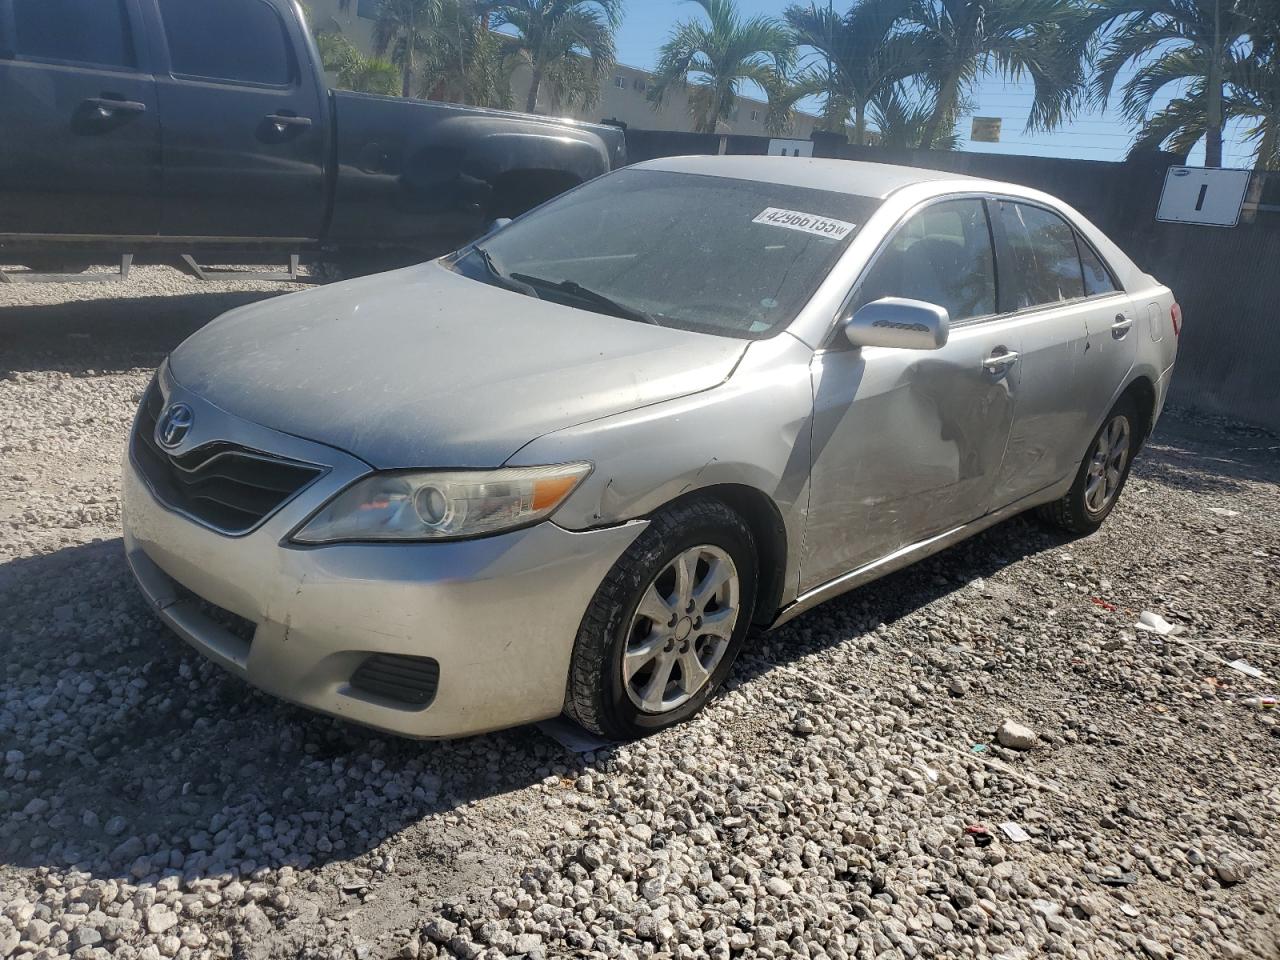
(495,225)
(898,322)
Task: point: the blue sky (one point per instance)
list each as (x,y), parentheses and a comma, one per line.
(1095,136)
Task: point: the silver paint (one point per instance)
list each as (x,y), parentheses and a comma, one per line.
(863,458)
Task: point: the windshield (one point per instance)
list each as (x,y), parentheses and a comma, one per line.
(715,254)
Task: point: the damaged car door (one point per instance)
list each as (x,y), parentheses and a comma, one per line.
(908,443)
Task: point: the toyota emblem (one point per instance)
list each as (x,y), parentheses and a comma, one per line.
(174,425)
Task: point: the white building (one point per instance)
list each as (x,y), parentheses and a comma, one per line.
(622,95)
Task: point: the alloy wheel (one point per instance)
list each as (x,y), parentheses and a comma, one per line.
(1106,465)
(681,629)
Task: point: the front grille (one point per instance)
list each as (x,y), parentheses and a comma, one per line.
(241,628)
(410,680)
(224,485)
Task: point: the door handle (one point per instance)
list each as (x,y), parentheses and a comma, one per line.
(1121,325)
(283,121)
(999,361)
(105,108)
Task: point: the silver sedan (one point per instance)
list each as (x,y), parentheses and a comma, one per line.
(574,466)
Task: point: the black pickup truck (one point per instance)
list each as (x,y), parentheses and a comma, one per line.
(155,127)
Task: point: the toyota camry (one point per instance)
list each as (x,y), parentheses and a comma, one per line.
(577,465)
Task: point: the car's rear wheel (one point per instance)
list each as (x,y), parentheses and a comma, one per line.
(1102,474)
(665,626)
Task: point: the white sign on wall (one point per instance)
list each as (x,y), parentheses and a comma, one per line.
(790,148)
(1204,195)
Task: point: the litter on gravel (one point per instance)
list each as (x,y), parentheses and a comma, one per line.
(821,808)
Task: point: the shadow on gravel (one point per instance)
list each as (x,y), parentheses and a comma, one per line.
(141,758)
(108,334)
(129,756)
(1211,458)
(900,594)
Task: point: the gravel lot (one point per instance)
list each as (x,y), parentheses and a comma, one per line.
(822,807)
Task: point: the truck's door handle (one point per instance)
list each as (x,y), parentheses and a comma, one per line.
(282,121)
(998,362)
(105,107)
(1121,325)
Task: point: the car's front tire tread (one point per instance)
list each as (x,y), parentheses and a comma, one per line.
(585,698)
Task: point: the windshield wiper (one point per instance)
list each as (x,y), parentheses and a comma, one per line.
(575,289)
(501,276)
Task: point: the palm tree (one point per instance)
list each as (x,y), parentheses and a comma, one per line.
(405,27)
(1167,42)
(1255,96)
(355,71)
(783,93)
(720,56)
(901,120)
(464,61)
(566,42)
(1251,96)
(858,53)
(954,42)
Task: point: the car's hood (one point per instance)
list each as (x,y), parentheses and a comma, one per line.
(425,367)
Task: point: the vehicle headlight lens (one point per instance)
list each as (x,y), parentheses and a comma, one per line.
(420,505)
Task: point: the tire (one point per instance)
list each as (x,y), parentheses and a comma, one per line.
(1082,510)
(709,540)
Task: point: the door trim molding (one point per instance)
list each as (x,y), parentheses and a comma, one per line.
(905,556)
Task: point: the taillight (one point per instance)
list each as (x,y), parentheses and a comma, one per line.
(1175,314)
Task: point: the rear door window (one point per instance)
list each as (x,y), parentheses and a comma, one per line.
(92,32)
(943,256)
(1045,265)
(1097,278)
(236,41)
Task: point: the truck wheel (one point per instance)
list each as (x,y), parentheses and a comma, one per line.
(665,626)
(1102,474)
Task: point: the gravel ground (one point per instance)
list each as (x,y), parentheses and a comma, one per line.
(844,798)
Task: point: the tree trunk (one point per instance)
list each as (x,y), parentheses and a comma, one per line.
(406,86)
(1267,158)
(860,124)
(943,106)
(535,81)
(1213,92)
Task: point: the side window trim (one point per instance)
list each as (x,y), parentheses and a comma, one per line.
(889,236)
(1082,244)
(1002,250)
(136,35)
(295,69)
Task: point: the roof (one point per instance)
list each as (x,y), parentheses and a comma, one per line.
(842,176)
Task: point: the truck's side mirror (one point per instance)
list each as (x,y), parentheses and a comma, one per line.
(899,322)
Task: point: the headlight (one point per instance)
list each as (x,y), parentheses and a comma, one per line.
(413,505)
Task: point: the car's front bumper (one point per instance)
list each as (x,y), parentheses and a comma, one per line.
(498,614)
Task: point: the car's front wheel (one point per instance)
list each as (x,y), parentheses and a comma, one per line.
(1101,476)
(665,626)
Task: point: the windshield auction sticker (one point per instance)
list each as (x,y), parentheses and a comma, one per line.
(806,222)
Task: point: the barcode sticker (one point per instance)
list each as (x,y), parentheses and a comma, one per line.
(806,222)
